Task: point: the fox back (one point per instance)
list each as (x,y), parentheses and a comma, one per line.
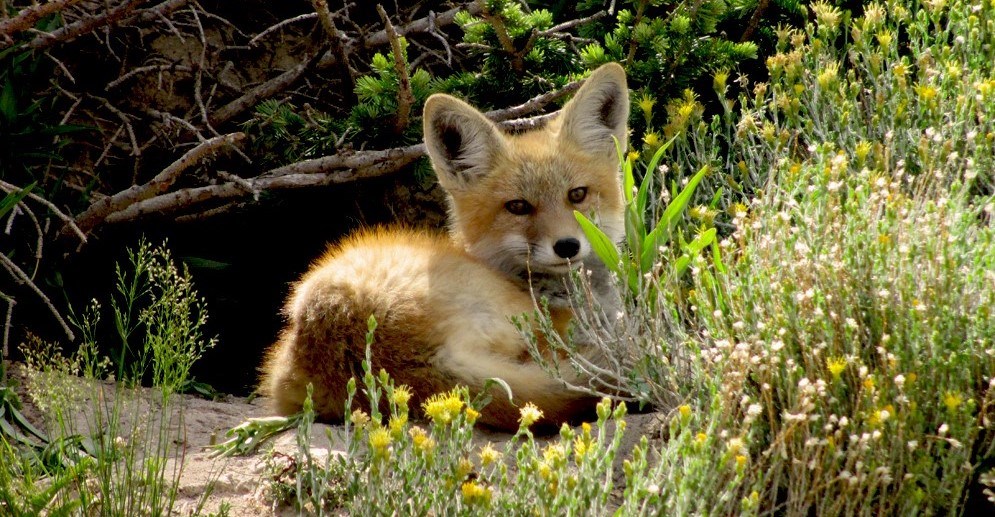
(444,304)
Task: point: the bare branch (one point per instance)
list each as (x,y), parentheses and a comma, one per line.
(6,334)
(337,49)
(28,17)
(10,187)
(535,103)
(142,69)
(427,24)
(404,96)
(572,23)
(309,173)
(306,16)
(265,90)
(24,279)
(161,11)
(340,168)
(157,185)
(85,25)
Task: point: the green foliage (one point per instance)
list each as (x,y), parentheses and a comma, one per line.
(512,55)
(283,133)
(392,464)
(103,450)
(30,133)
(844,360)
(639,263)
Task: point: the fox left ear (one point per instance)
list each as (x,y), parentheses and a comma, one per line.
(461,142)
(599,111)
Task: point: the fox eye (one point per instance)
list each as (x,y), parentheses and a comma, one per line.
(518,207)
(577,195)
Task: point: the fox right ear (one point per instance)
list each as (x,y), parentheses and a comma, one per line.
(462,143)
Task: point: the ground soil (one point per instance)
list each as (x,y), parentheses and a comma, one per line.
(244,483)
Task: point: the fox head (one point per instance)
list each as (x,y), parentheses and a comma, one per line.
(512,196)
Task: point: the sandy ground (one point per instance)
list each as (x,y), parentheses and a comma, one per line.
(243,481)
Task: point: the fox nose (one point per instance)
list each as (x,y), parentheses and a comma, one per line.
(567,248)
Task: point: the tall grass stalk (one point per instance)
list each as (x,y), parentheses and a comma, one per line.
(117,447)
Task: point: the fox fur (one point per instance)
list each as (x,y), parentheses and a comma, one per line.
(444,303)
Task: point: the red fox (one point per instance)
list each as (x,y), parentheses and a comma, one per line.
(444,303)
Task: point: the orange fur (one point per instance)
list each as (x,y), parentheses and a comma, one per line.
(444,303)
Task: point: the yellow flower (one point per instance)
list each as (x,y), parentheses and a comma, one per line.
(700,438)
(397,425)
(646,103)
(554,454)
(632,156)
(463,468)
(380,441)
(488,455)
(651,139)
(685,412)
(442,408)
(719,80)
(740,461)
(401,396)
(421,440)
(836,365)
(529,415)
(952,400)
(884,38)
(472,415)
(476,494)
(926,92)
(359,418)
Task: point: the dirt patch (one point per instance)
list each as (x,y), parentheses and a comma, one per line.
(243,482)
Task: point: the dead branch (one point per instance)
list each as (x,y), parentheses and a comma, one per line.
(269,30)
(339,168)
(6,334)
(309,173)
(84,26)
(534,104)
(517,63)
(751,25)
(28,17)
(337,49)
(157,185)
(567,25)
(10,187)
(404,96)
(23,278)
(426,24)
(266,90)
(160,11)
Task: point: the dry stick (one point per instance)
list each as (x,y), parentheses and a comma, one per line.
(517,63)
(265,90)
(299,175)
(280,25)
(337,49)
(10,187)
(326,58)
(16,271)
(160,11)
(327,170)
(157,185)
(84,26)
(6,335)
(404,96)
(28,17)
(754,20)
(572,23)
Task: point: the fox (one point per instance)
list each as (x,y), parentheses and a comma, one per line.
(445,302)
